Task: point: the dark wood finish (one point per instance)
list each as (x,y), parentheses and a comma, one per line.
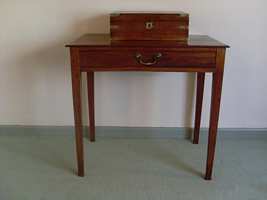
(103,41)
(217,80)
(96,52)
(77,106)
(126,58)
(91,107)
(162,26)
(199,100)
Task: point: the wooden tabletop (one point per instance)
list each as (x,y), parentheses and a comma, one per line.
(104,40)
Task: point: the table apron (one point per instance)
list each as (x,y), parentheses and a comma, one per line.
(150,69)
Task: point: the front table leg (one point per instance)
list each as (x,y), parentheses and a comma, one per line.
(217,79)
(76,91)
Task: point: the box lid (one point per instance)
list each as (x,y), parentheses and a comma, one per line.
(160,16)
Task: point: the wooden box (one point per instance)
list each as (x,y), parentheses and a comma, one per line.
(149,26)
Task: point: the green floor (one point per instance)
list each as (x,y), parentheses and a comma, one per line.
(43,167)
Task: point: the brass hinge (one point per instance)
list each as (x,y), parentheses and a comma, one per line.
(183,27)
(114,14)
(114,27)
(183,15)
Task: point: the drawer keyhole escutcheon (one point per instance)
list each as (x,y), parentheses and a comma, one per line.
(149,25)
(154,59)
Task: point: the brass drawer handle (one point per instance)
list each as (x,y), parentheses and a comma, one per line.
(155,59)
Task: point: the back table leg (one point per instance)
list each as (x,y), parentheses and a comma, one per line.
(90,89)
(199,100)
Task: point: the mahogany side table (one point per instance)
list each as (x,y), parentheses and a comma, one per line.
(97,52)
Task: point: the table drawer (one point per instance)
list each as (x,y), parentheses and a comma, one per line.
(144,58)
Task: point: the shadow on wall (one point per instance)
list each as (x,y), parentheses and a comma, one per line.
(46,67)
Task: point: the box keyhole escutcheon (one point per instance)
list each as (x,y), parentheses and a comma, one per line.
(149,25)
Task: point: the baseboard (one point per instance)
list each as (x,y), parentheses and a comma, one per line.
(131,132)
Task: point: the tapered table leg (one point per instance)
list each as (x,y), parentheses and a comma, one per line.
(76,91)
(199,100)
(90,88)
(217,79)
